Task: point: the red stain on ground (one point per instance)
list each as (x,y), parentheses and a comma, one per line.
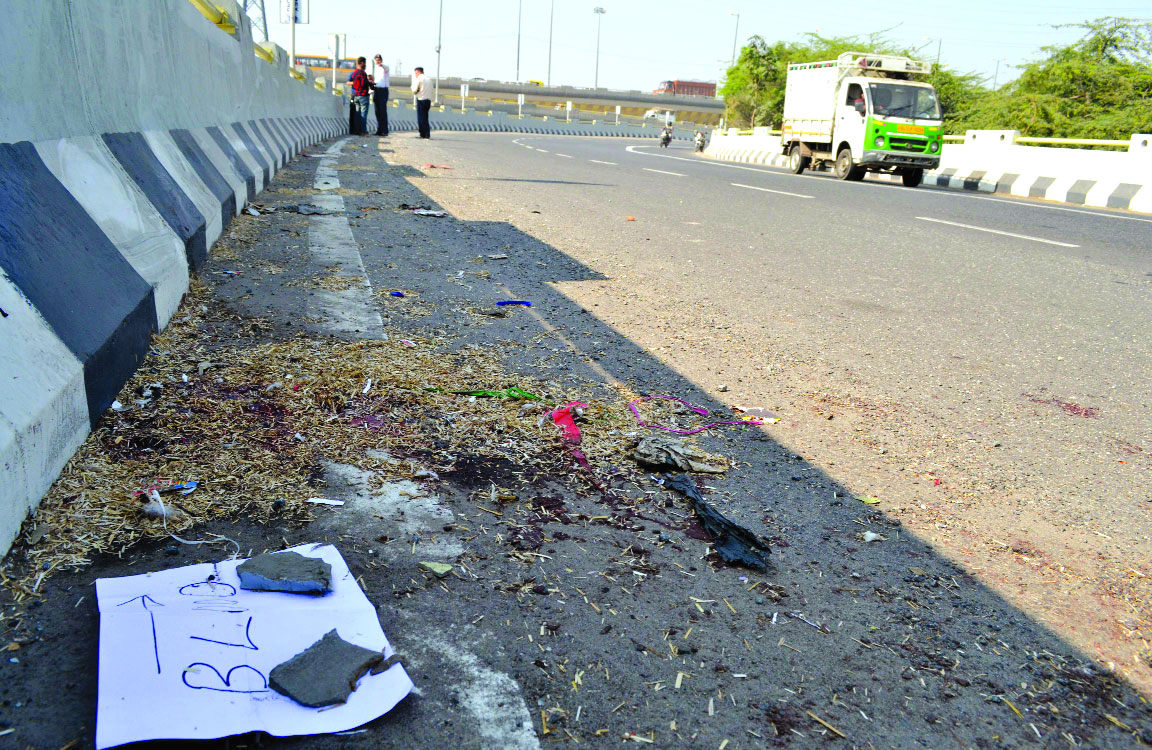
(1070,407)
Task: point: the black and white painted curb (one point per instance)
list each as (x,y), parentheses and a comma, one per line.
(404,120)
(98,236)
(1081,192)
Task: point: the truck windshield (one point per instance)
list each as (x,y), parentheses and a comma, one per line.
(898,100)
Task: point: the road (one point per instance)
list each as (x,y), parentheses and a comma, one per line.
(958,557)
(994,349)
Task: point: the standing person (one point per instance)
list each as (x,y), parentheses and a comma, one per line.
(360,90)
(423,101)
(380,94)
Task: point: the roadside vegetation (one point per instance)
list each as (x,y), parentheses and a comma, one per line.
(1098,87)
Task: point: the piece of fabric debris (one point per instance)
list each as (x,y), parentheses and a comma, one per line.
(506,302)
(664,452)
(734,543)
(325,673)
(430,212)
(285,571)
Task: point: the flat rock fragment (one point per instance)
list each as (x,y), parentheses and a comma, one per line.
(285,571)
(325,673)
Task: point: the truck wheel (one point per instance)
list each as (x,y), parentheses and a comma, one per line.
(797,162)
(912,177)
(843,168)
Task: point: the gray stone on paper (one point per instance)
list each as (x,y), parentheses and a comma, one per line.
(325,673)
(290,572)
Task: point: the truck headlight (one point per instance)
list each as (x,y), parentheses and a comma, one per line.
(879,142)
(934,147)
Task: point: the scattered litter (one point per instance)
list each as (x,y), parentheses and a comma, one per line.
(662,452)
(505,302)
(513,392)
(230,273)
(408,343)
(286,571)
(828,726)
(426,474)
(872,536)
(629,218)
(438,569)
(251,211)
(498,256)
(396,294)
(733,543)
(324,501)
(117,406)
(698,409)
(430,212)
(325,673)
(869,500)
(367,387)
(411,207)
(155,508)
(436,166)
(565,419)
(185,488)
(307,209)
(806,621)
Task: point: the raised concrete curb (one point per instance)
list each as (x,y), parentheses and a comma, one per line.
(107,208)
(403,119)
(989,161)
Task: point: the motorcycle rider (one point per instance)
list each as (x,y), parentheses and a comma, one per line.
(699,141)
(665,136)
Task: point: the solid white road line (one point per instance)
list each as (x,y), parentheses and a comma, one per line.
(661,171)
(566,156)
(766,190)
(542,151)
(997,231)
(597,161)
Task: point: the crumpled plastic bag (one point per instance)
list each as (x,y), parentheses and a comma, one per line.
(660,452)
(734,543)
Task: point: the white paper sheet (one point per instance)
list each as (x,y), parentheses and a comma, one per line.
(186,656)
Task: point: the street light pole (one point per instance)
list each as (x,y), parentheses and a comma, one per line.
(439,37)
(599,14)
(996,77)
(519,21)
(551,14)
(735,37)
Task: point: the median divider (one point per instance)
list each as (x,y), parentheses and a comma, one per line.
(1000,161)
(111,196)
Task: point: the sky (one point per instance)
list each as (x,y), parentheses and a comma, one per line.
(643,43)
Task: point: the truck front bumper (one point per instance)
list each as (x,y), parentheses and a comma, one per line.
(898,159)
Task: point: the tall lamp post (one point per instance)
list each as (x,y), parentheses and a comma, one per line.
(439,36)
(551,15)
(519,21)
(735,37)
(939,45)
(996,77)
(599,15)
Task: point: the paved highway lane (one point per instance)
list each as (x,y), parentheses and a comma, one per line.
(982,363)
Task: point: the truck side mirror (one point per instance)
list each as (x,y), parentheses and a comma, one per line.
(859,105)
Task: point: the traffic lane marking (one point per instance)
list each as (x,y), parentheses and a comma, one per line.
(781,172)
(661,171)
(997,231)
(597,161)
(566,156)
(766,190)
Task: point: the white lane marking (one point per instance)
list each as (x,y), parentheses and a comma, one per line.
(996,231)
(661,171)
(949,193)
(566,156)
(766,190)
(542,151)
(597,161)
(331,243)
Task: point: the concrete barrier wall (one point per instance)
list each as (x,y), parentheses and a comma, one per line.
(112,191)
(991,161)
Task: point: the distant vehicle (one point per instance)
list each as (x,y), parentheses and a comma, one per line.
(530,81)
(660,114)
(319,64)
(862,113)
(687,88)
(474,80)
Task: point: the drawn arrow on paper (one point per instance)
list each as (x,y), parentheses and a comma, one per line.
(145,600)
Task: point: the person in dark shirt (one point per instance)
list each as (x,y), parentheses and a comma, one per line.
(360,91)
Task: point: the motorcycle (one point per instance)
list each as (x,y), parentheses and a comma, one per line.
(665,139)
(699,142)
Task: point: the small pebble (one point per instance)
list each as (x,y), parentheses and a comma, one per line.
(171,549)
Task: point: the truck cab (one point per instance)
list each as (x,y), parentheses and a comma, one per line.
(862,113)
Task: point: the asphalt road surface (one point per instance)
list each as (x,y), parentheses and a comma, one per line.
(979,366)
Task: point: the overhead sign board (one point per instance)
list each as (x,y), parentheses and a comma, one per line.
(299,6)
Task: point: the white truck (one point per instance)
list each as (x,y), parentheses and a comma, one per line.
(862,113)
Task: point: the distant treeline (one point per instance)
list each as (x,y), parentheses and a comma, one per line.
(1098,87)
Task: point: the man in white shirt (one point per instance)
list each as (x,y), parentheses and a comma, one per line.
(380,94)
(423,101)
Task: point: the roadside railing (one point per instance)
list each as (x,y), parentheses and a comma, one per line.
(1020,140)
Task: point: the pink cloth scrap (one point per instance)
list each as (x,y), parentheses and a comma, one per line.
(698,409)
